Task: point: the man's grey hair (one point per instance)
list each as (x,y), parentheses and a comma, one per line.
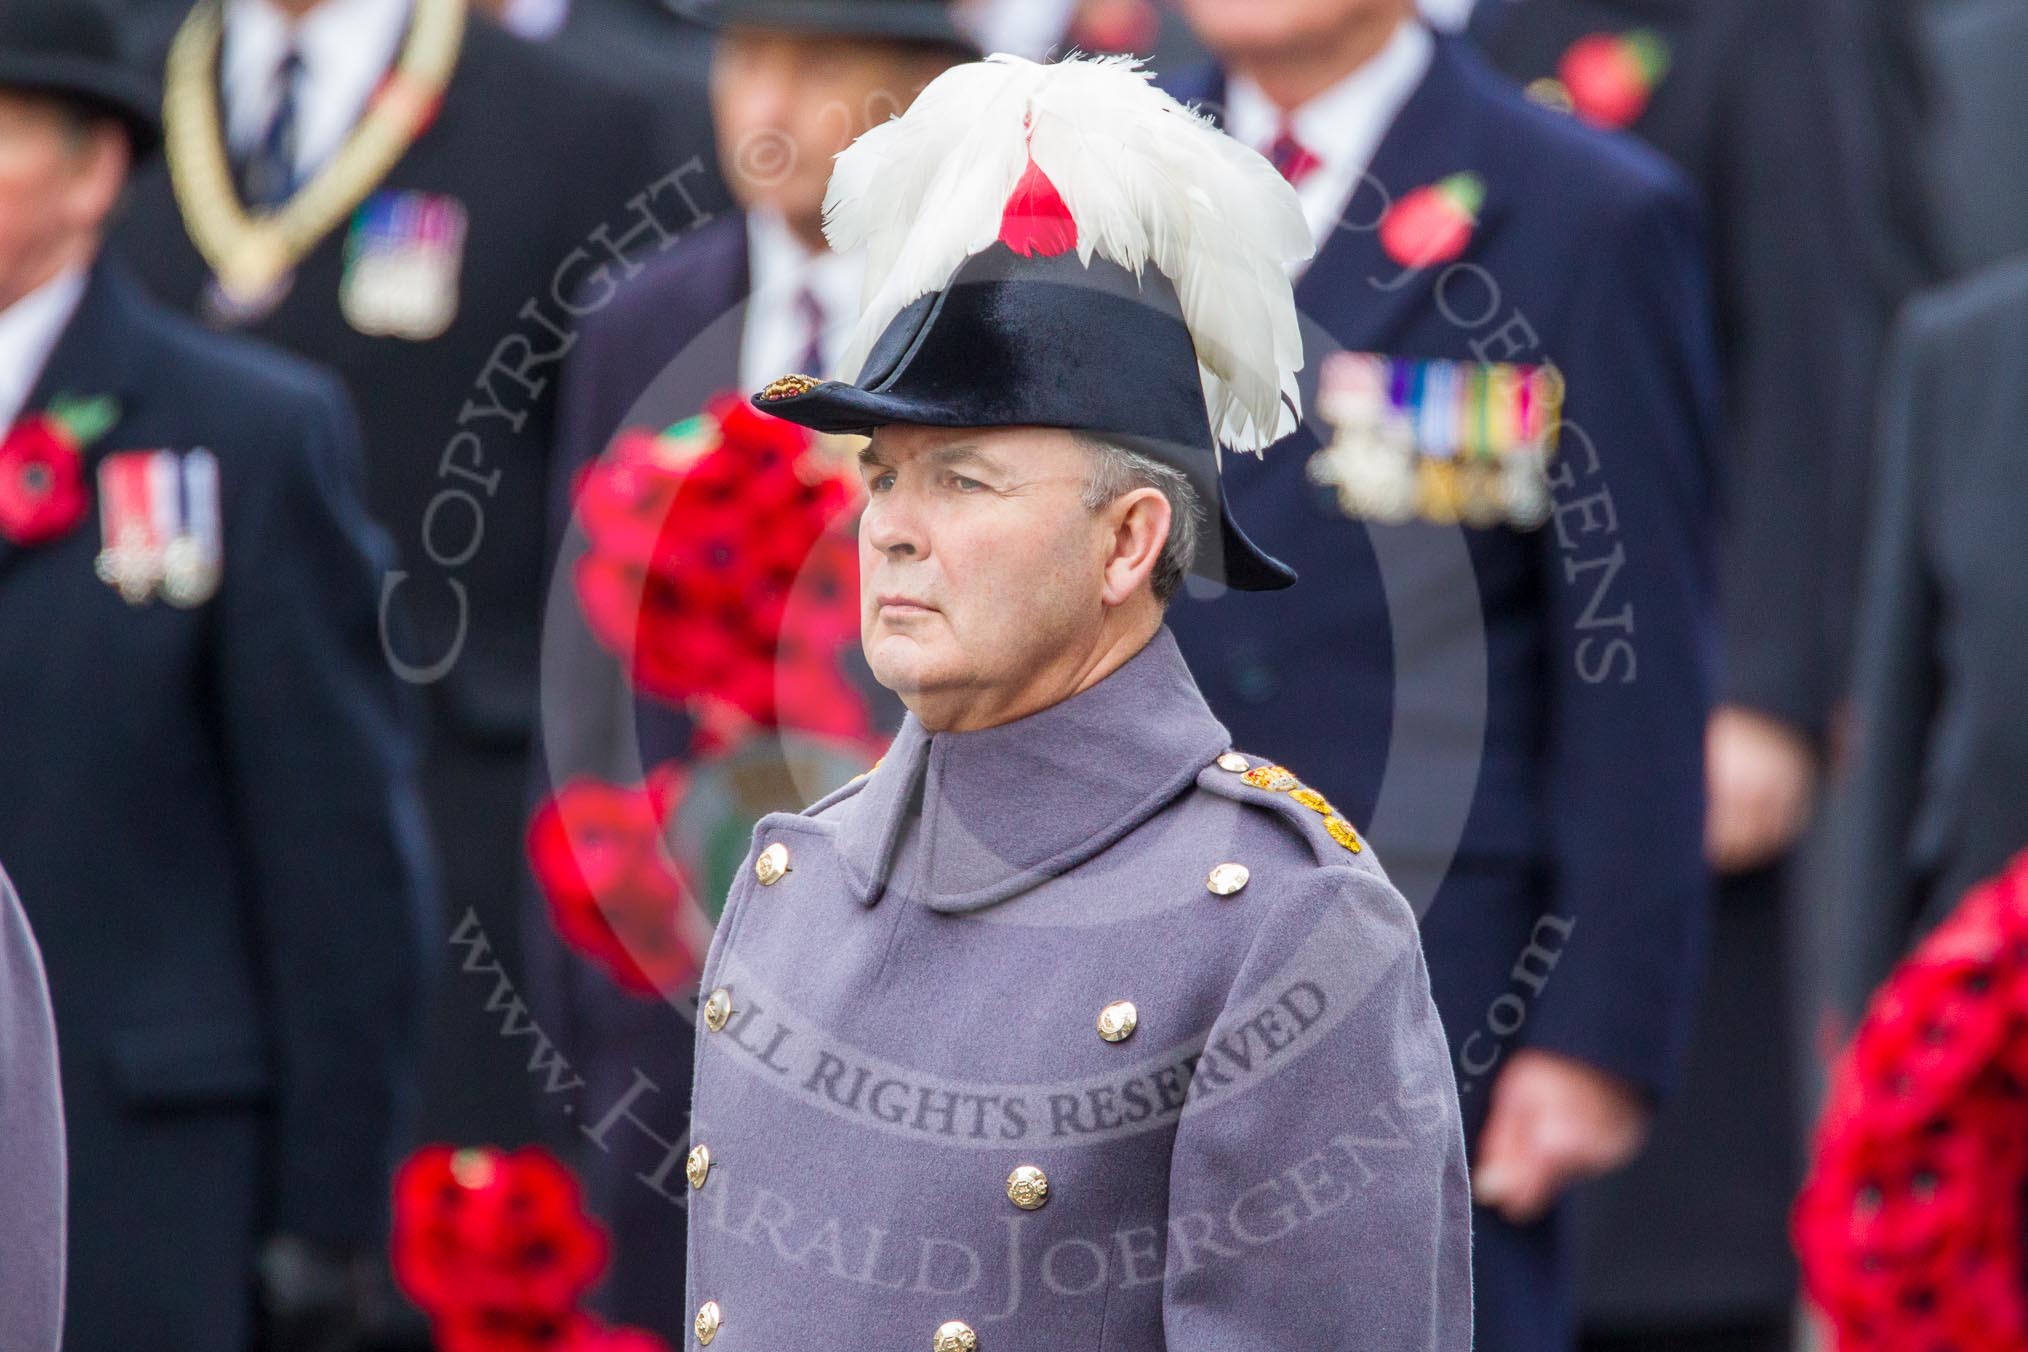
(1115,470)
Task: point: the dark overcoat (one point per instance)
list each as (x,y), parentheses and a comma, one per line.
(555,172)
(211,813)
(1516,716)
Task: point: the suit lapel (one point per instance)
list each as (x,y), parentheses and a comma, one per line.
(1360,295)
(1202,86)
(738,294)
(92,358)
(691,350)
(1483,27)
(437,138)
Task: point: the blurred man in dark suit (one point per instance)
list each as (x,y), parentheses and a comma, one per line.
(1740,97)
(405,191)
(208,795)
(644,46)
(1972,53)
(31,1135)
(1500,508)
(1939,793)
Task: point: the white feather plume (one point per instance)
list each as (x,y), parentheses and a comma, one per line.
(1146,180)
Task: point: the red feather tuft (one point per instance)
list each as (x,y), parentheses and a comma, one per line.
(1036,222)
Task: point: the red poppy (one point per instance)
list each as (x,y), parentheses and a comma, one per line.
(623,497)
(591,1336)
(492,1243)
(614,893)
(1434,223)
(1910,1224)
(42,494)
(713,551)
(510,1331)
(1609,77)
(810,681)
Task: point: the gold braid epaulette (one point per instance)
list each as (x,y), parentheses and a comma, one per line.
(1277,779)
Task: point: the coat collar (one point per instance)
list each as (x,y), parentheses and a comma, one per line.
(962,820)
(94,356)
(29,331)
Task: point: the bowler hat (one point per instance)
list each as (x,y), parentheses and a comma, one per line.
(916,21)
(68,49)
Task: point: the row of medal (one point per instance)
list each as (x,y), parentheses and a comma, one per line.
(159,526)
(1442,441)
(402,260)
(403,256)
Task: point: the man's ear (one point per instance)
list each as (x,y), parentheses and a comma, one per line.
(1138,526)
(102,163)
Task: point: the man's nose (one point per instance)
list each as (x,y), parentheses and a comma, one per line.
(894,527)
(764,103)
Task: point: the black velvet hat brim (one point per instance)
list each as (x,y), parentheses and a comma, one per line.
(912,21)
(1225,555)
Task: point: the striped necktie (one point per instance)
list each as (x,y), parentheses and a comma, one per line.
(1292,159)
(268,177)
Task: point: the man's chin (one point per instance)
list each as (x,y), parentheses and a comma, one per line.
(902,664)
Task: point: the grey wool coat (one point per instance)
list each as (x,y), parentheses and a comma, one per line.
(31,1143)
(1081,1032)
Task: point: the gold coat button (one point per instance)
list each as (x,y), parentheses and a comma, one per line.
(717,1009)
(1234,762)
(707,1322)
(956,1336)
(1227,879)
(1117,1020)
(1028,1187)
(772,864)
(697,1165)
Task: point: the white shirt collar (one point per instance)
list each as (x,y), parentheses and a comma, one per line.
(1342,126)
(777,332)
(536,20)
(347,47)
(29,330)
(1451,16)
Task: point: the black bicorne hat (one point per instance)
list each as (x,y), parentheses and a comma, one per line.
(920,21)
(1046,341)
(69,49)
(1066,246)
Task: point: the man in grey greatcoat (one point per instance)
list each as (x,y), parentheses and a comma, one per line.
(1069,1025)
(31,1143)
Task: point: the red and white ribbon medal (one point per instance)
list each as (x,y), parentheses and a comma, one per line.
(191,560)
(159,526)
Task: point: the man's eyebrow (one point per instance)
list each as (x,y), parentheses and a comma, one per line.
(962,454)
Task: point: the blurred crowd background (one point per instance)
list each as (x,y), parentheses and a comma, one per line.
(589,222)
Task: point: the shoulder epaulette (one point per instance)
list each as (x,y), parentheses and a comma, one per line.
(1250,779)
